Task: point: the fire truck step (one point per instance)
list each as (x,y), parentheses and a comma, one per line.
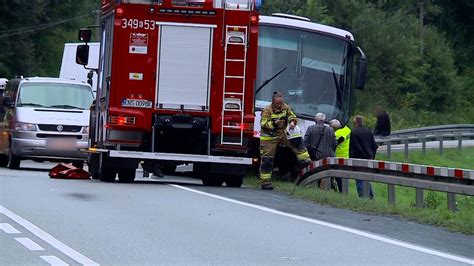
(235,77)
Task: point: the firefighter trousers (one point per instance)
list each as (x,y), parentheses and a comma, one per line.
(268,150)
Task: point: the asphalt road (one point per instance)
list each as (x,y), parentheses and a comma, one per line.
(177,221)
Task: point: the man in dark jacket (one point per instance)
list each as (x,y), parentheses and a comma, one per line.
(362,146)
(382,126)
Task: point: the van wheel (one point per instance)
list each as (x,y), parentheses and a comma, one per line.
(127,175)
(3,160)
(13,161)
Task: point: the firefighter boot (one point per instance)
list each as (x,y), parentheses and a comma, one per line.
(267,185)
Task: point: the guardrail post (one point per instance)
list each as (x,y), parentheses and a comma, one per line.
(345,186)
(405,141)
(327,183)
(423,145)
(366,189)
(459,137)
(452,202)
(389,150)
(391,194)
(419,198)
(441,146)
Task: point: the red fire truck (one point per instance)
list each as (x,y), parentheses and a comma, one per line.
(176,85)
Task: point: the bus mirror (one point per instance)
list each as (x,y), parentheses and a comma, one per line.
(82,54)
(361,77)
(85,35)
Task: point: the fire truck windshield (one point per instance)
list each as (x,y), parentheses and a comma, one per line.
(317,75)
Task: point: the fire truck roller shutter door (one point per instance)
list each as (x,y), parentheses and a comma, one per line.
(185,56)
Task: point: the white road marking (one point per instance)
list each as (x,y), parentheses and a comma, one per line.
(29,244)
(337,227)
(53,260)
(7,228)
(66,250)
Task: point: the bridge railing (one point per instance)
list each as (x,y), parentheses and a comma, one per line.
(452,181)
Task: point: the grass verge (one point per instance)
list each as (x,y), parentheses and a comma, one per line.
(434,213)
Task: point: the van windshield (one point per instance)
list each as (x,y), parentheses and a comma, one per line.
(55,95)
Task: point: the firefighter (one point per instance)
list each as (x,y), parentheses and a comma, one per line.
(343,137)
(276,118)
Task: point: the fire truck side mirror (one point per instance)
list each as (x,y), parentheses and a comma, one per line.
(85,35)
(82,54)
(361,75)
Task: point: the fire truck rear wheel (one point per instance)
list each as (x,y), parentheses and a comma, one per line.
(211,180)
(127,175)
(107,174)
(234,181)
(169,169)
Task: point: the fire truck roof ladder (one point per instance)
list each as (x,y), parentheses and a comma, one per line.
(233,100)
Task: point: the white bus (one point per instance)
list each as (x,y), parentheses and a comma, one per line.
(317,63)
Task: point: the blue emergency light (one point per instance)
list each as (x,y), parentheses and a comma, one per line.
(259,3)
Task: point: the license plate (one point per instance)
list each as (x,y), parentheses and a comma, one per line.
(137,103)
(61,144)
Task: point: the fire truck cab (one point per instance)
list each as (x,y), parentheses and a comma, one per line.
(175,85)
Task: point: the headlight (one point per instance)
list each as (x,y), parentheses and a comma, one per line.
(85,130)
(25,127)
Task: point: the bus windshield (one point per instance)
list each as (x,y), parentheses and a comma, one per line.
(317,72)
(55,95)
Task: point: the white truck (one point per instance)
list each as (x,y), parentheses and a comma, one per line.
(73,71)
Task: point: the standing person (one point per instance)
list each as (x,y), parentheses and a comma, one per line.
(343,137)
(362,146)
(275,119)
(382,126)
(320,139)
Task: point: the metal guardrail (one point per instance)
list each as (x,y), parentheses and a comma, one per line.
(450,180)
(433,130)
(424,135)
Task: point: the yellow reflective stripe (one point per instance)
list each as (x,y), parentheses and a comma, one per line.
(278,116)
(265,176)
(267,138)
(266,123)
(303,156)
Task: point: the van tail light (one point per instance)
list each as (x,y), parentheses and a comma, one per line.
(122,120)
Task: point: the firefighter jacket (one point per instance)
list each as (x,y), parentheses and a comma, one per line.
(270,115)
(343,137)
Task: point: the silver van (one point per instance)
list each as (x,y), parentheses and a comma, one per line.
(44,119)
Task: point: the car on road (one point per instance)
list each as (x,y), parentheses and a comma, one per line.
(46,119)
